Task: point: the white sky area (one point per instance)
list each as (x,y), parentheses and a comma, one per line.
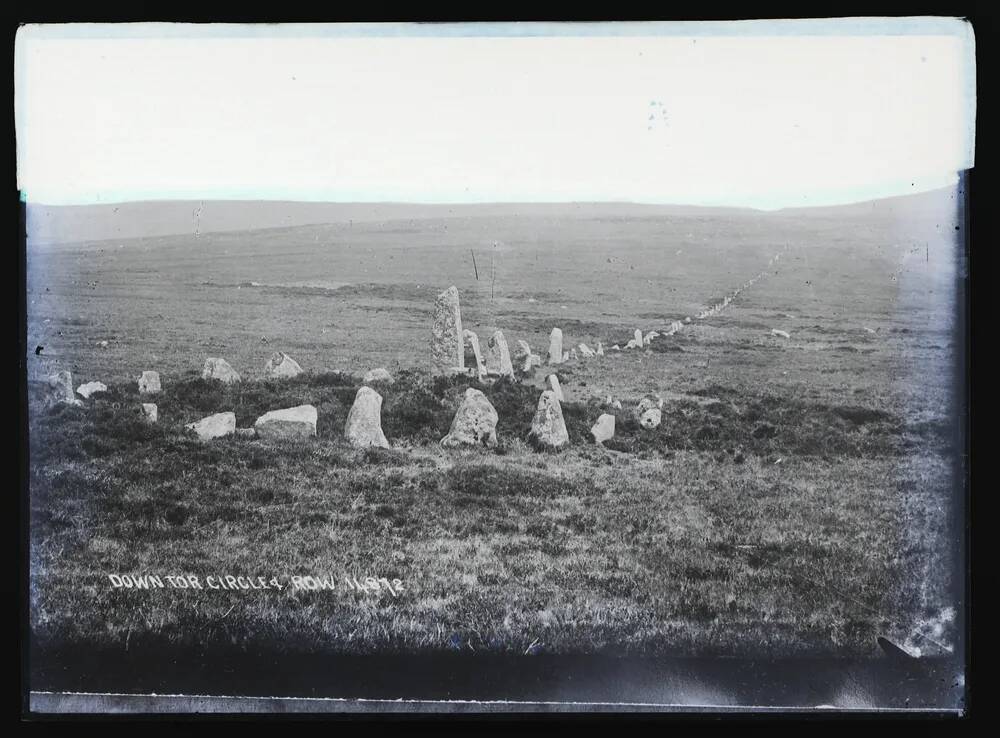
(763,115)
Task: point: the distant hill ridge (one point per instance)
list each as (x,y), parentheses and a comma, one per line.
(79,223)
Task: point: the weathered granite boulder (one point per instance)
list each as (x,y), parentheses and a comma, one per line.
(475,422)
(281,365)
(650,418)
(377,375)
(604,428)
(447,350)
(548,429)
(61,389)
(364,422)
(220,370)
(555,346)
(498,356)
(586,351)
(150,412)
(149,383)
(91,388)
(289,424)
(214,426)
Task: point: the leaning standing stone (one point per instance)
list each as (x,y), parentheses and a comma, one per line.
(219,369)
(150,412)
(473,340)
(554,386)
(214,426)
(149,383)
(498,356)
(548,429)
(604,428)
(281,365)
(555,346)
(292,423)
(447,351)
(475,422)
(364,421)
(61,389)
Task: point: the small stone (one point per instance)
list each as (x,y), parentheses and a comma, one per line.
(364,422)
(377,375)
(475,422)
(651,418)
(604,428)
(586,351)
(780,334)
(150,411)
(61,389)
(291,423)
(600,349)
(638,337)
(219,369)
(548,429)
(617,404)
(281,365)
(565,356)
(90,388)
(149,383)
(246,433)
(214,426)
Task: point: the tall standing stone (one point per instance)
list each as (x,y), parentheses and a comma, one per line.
(548,429)
(364,421)
(475,422)
(447,350)
(473,340)
(555,346)
(498,356)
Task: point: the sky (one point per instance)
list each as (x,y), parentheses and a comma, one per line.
(753,114)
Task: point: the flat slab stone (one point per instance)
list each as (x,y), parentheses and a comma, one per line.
(214,426)
(91,388)
(290,423)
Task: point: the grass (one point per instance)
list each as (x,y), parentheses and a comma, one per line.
(664,544)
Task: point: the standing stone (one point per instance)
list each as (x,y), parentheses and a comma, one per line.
(586,351)
(61,389)
(292,423)
(473,340)
(600,349)
(214,426)
(447,350)
(90,388)
(565,355)
(604,428)
(531,360)
(364,421)
(638,337)
(555,346)
(632,344)
(281,365)
(149,383)
(150,412)
(554,386)
(219,369)
(498,356)
(548,429)
(572,354)
(475,422)
(523,350)
(377,375)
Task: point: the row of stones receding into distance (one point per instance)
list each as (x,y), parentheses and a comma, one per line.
(474,422)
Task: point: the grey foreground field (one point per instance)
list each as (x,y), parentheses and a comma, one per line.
(796,499)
